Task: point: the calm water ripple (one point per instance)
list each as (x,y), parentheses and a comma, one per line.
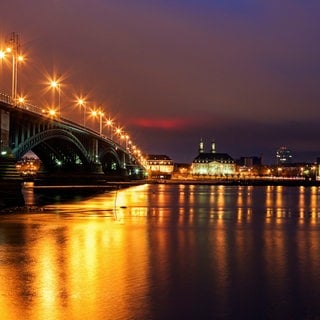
(164,252)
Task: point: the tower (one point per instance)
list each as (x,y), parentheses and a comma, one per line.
(201,147)
(213,147)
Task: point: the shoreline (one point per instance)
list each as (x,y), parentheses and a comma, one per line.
(225,182)
(239,182)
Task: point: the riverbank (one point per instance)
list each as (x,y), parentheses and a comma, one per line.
(239,182)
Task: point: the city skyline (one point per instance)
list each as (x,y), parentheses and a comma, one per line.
(245,74)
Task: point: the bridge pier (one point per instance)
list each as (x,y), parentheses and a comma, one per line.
(10,184)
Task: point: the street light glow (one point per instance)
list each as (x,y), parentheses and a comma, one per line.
(21,100)
(52,112)
(118,131)
(54,84)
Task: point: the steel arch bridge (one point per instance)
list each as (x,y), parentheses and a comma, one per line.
(66,149)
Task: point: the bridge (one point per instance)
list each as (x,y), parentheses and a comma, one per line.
(70,153)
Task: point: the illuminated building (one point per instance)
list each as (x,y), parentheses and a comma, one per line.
(159,166)
(28,167)
(283,155)
(212,163)
(250,166)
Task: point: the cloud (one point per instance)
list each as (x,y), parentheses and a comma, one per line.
(158,123)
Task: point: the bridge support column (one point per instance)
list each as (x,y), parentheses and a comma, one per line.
(10,184)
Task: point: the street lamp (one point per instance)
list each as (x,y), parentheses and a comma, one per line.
(55,85)
(100,123)
(21,101)
(127,140)
(13,48)
(99,113)
(118,131)
(81,102)
(109,123)
(52,112)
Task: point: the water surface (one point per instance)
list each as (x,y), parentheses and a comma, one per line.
(164,252)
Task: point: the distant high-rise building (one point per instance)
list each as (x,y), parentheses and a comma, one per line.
(283,155)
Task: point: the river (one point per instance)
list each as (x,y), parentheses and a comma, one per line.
(163,252)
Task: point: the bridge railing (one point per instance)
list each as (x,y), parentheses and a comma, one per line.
(31,107)
(35,109)
(28,106)
(5,98)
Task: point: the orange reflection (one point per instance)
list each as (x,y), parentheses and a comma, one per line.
(77,261)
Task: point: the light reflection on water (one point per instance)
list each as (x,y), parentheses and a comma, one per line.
(164,252)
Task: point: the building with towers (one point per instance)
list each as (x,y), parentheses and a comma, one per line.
(212,163)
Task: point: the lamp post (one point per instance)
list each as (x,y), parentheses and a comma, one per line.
(99,113)
(118,131)
(127,140)
(13,48)
(109,124)
(100,121)
(55,85)
(21,101)
(82,104)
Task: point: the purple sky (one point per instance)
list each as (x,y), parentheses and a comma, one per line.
(245,73)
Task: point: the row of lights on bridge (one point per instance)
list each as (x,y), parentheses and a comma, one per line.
(13,51)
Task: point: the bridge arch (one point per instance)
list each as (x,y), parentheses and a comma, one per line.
(65,148)
(110,161)
(52,145)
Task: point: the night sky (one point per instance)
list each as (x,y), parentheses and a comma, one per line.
(245,73)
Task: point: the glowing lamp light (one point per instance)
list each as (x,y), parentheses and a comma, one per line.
(52,112)
(54,84)
(21,99)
